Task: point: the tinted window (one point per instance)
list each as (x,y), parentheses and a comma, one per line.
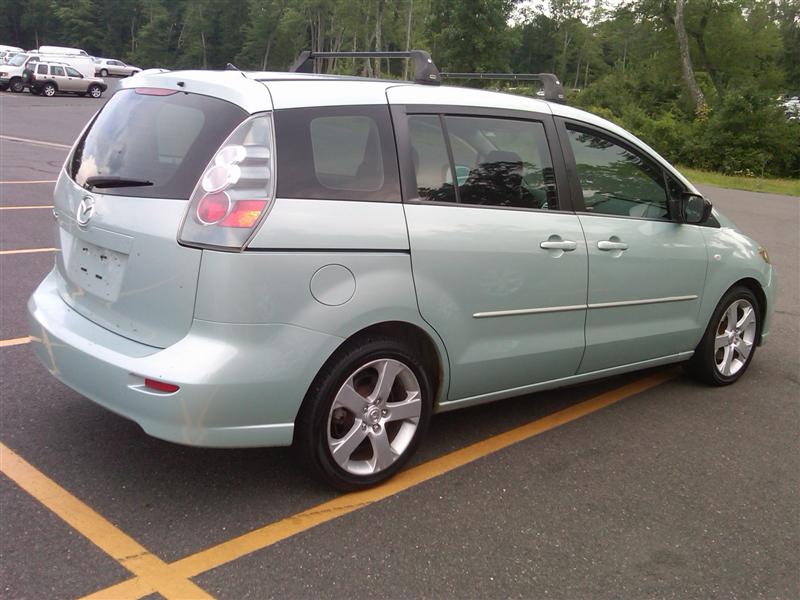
(616,181)
(57,71)
(347,153)
(336,153)
(72,72)
(41,69)
(501,162)
(167,140)
(431,161)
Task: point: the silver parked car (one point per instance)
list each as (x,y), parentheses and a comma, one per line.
(263,259)
(109,66)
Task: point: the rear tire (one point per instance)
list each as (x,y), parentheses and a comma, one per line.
(103,72)
(49,90)
(364,414)
(729,343)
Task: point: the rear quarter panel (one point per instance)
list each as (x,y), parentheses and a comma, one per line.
(271,282)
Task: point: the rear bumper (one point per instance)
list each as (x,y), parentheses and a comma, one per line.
(240,385)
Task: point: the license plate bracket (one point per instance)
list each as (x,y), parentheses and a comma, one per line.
(95,269)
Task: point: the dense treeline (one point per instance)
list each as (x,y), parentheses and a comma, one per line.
(697,79)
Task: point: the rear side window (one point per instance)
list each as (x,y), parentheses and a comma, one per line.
(336,153)
(495,162)
(41,69)
(166,140)
(347,153)
(57,71)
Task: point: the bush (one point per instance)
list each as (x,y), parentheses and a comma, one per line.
(746,131)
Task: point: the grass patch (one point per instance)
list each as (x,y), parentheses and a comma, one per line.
(787,187)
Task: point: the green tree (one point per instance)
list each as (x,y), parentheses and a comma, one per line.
(470,35)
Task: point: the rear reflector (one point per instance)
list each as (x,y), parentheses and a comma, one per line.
(148,91)
(161,386)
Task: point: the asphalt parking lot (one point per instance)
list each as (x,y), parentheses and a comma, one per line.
(641,486)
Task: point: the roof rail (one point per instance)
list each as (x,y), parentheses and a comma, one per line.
(553,91)
(424,69)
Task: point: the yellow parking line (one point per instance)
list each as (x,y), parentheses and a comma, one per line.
(28,251)
(268,535)
(28,181)
(29,207)
(14,342)
(154,573)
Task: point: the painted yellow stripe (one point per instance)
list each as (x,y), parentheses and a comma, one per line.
(268,535)
(28,251)
(18,182)
(14,342)
(29,207)
(154,573)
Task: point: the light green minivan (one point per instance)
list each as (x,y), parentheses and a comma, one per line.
(261,259)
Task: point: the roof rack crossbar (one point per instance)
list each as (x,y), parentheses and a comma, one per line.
(553,91)
(424,69)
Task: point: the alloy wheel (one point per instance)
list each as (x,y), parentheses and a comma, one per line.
(735,336)
(374,416)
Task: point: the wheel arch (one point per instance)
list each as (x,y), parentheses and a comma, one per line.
(754,286)
(421,341)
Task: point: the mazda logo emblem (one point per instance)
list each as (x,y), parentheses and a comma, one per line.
(85,210)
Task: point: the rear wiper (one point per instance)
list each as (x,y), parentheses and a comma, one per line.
(101,181)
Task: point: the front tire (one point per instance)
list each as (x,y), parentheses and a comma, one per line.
(365,413)
(16,85)
(729,343)
(95,91)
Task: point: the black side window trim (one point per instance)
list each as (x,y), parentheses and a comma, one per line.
(408,179)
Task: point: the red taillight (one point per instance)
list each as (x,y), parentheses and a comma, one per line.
(245,213)
(213,207)
(150,91)
(235,190)
(161,386)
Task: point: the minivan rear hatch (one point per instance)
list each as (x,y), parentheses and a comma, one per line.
(120,203)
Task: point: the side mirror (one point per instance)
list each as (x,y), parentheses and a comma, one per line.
(694,209)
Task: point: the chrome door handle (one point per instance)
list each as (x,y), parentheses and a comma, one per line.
(565,245)
(609,245)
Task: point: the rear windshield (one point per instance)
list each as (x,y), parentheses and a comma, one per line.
(164,139)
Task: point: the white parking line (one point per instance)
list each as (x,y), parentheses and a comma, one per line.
(21,181)
(27,251)
(26,207)
(11,138)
